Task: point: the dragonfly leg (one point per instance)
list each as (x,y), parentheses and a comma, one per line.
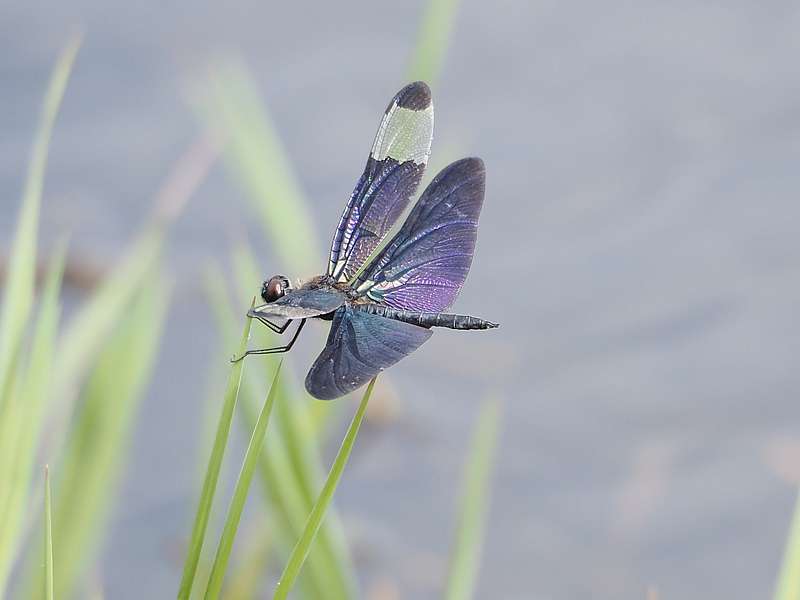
(277,349)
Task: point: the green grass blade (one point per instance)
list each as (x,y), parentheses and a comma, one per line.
(97,318)
(92,461)
(19,283)
(48,538)
(465,559)
(88,330)
(246,580)
(256,157)
(212,472)
(240,493)
(14,316)
(23,422)
(788,586)
(433,39)
(280,488)
(301,550)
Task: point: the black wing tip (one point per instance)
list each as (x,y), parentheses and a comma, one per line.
(472,163)
(415,96)
(470,167)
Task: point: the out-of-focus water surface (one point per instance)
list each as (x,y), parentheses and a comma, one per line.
(639,245)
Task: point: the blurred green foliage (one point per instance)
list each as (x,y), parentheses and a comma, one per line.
(240,493)
(69,391)
(465,559)
(212,472)
(49,592)
(230,107)
(433,40)
(788,585)
(317,514)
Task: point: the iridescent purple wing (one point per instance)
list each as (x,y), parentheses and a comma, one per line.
(424,266)
(394,168)
(360,345)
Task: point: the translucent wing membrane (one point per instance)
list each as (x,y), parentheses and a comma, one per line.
(424,266)
(301,304)
(393,172)
(360,345)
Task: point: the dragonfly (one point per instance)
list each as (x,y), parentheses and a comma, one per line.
(383,301)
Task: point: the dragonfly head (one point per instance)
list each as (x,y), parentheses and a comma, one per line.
(274,288)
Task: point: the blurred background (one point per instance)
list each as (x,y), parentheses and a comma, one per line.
(638,245)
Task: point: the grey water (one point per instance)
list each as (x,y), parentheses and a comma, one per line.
(638,244)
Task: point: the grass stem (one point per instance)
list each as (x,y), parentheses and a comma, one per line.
(48,538)
(301,550)
(240,493)
(212,472)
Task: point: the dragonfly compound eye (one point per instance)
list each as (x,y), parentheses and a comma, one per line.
(274,288)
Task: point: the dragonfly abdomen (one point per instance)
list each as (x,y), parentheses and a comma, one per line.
(427,319)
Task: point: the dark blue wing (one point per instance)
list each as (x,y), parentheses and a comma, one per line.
(394,168)
(360,345)
(424,266)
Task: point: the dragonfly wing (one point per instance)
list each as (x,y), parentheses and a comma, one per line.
(424,266)
(393,172)
(360,345)
(301,304)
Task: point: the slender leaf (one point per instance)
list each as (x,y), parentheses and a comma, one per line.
(97,318)
(92,463)
(433,39)
(87,331)
(255,155)
(245,581)
(240,493)
(23,422)
(48,538)
(212,472)
(465,560)
(788,586)
(14,316)
(301,550)
(22,266)
(11,533)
